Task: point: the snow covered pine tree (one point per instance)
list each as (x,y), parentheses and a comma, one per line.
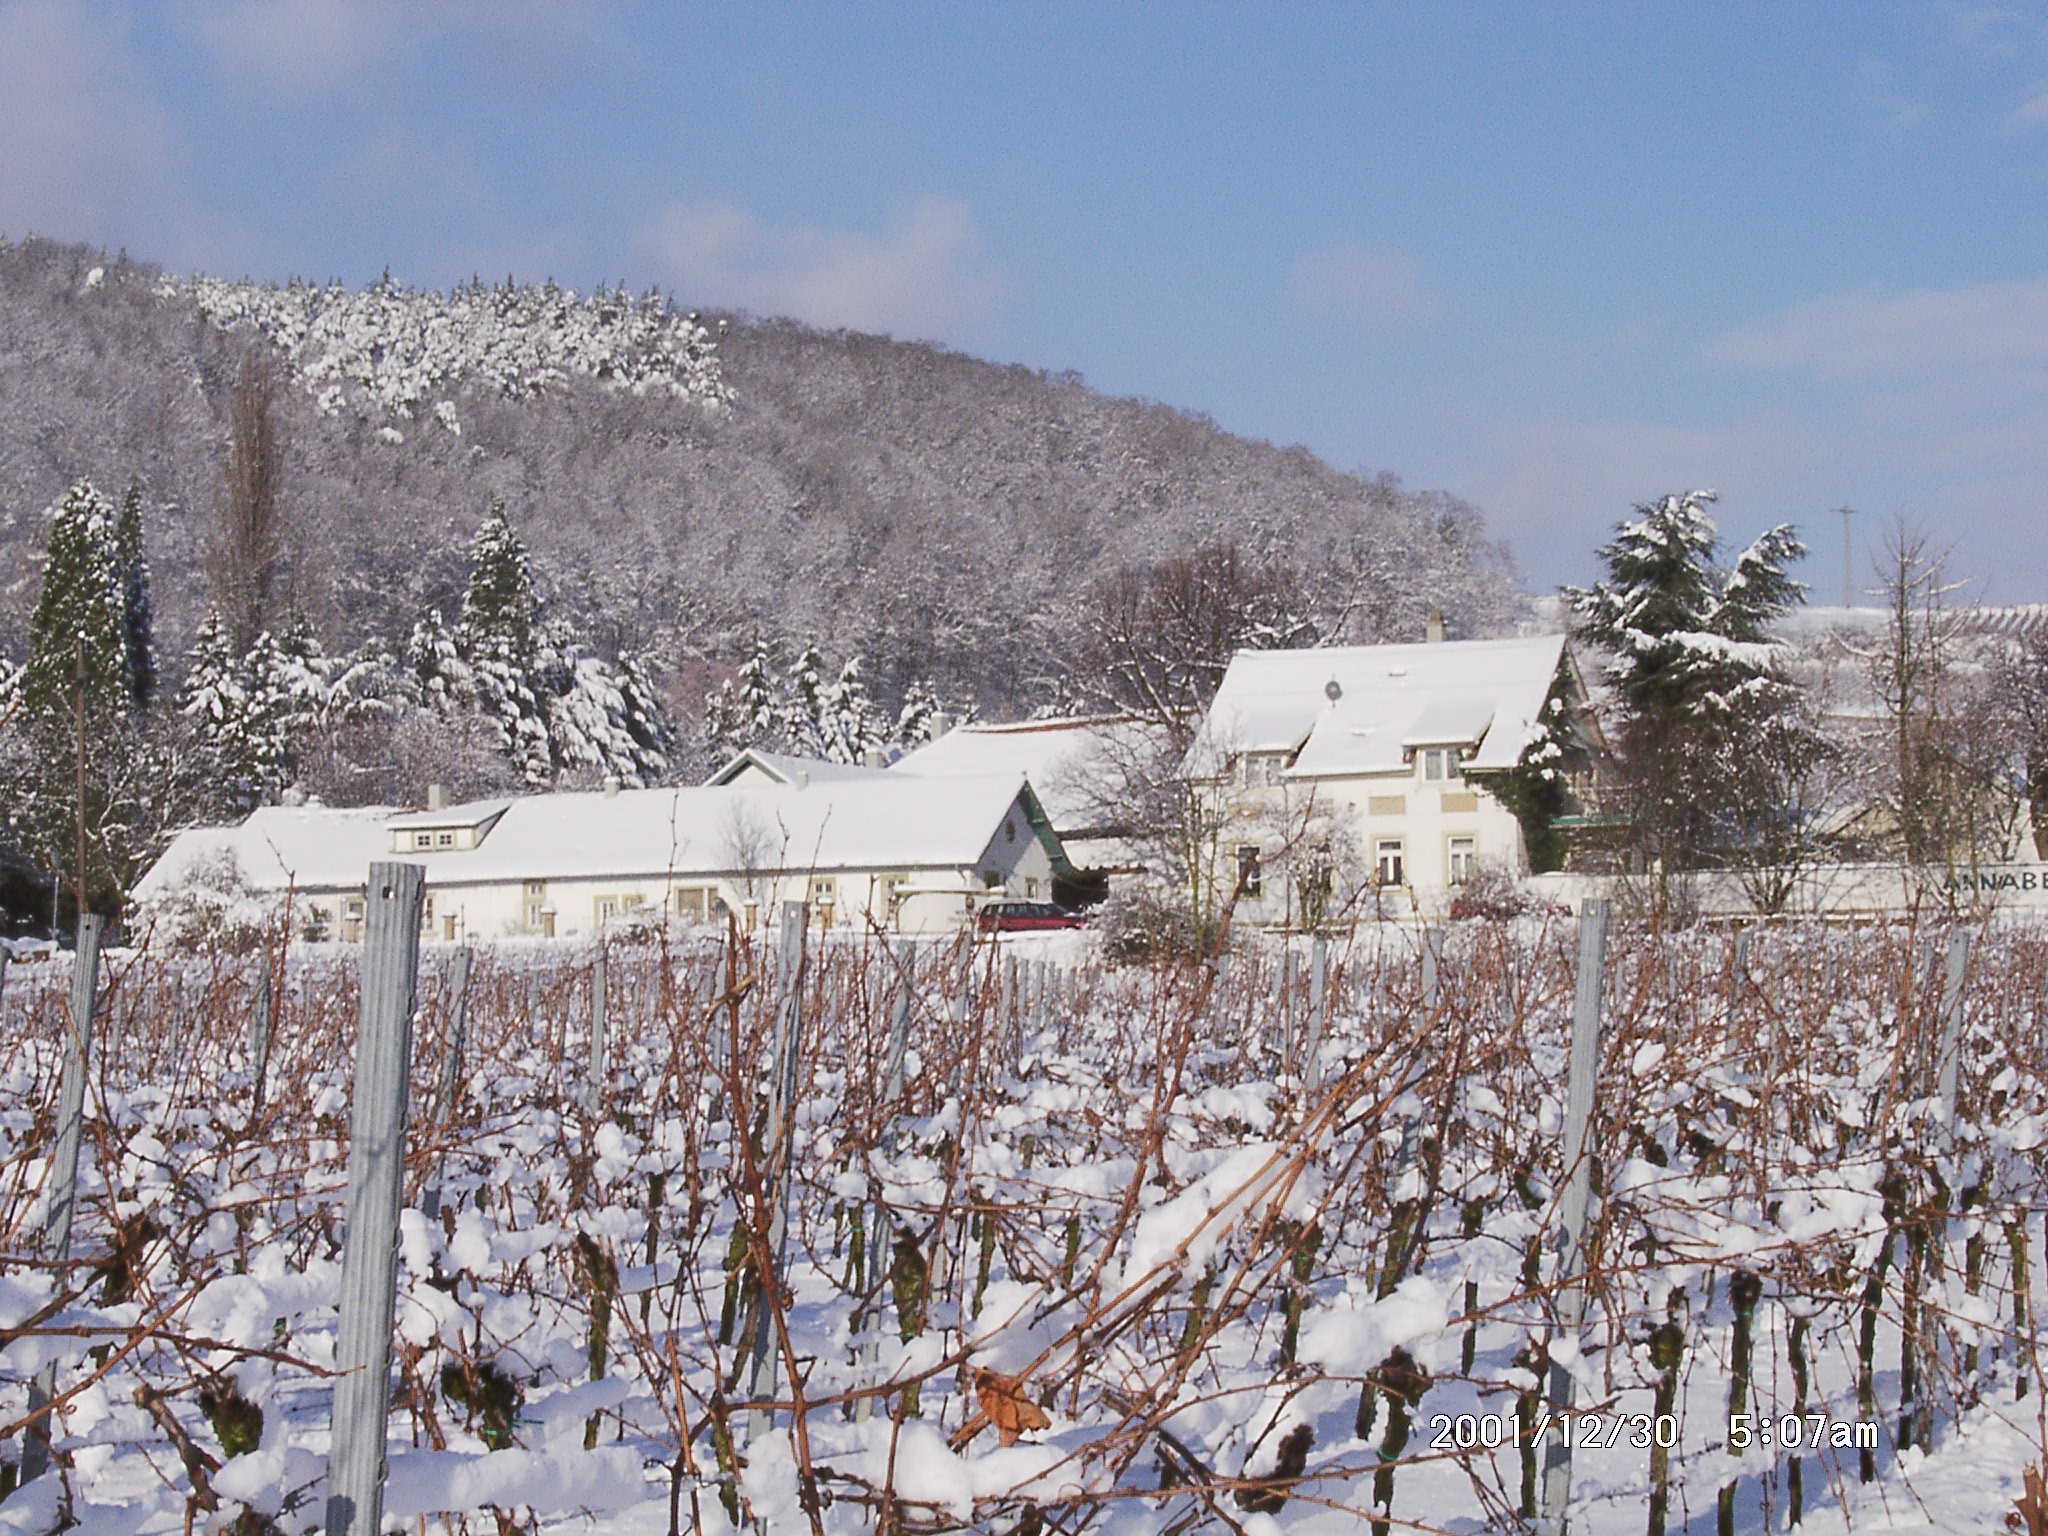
(1693,671)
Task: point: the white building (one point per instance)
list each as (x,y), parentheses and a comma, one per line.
(1076,764)
(901,853)
(1357,778)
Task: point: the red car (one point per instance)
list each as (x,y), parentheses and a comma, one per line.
(1026,917)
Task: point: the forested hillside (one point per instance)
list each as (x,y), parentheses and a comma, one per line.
(943,517)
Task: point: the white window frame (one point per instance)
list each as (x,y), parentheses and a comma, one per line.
(1390,858)
(1455,856)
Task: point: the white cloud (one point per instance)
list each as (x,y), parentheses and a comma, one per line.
(1872,335)
(85,150)
(924,276)
(327,45)
(296,44)
(1357,283)
(2031,113)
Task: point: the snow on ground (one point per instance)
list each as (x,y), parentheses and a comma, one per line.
(1105,1208)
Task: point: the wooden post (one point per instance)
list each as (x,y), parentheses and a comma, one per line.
(1318,1011)
(61,1201)
(260,1029)
(1578,1186)
(594,1095)
(1950,1060)
(376,1170)
(451,1068)
(778,1149)
(1432,969)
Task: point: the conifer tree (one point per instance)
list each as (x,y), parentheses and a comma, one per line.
(1694,671)
(81,635)
(138,612)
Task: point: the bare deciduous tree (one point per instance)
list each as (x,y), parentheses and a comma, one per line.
(246,557)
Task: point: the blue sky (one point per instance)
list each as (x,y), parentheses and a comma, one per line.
(1556,259)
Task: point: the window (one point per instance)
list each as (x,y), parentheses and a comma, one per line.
(1461,858)
(1390,864)
(1250,882)
(444,840)
(992,879)
(1009,831)
(427,912)
(1441,763)
(1031,887)
(1263,768)
(607,909)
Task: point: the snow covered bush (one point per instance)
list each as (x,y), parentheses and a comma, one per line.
(213,910)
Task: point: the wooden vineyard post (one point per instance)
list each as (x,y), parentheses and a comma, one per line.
(1432,969)
(1578,1187)
(62,1200)
(376,1170)
(451,1069)
(1318,1012)
(881,1235)
(261,1028)
(777,1153)
(594,1095)
(1950,1060)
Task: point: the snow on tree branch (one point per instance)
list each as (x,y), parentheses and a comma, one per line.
(393,349)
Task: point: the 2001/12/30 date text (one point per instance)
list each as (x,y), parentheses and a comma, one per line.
(1602,1431)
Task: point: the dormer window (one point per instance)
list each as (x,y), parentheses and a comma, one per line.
(1262,769)
(1440,764)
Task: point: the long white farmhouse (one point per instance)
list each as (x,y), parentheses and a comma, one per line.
(1381,773)
(911,855)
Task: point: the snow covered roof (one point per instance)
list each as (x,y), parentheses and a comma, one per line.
(879,822)
(1058,756)
(471,813)
(1484,696)
(782,768)
(311,847)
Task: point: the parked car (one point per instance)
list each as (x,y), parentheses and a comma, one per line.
(1026,917)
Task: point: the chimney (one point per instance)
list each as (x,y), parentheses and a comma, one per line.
(437,797)
(941,723)
(611,787)
(802,780)
(1434,631)
(873,758)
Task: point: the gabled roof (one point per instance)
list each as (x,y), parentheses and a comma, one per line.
(880,821)
(1062,758)
(782,768)
(1484,696)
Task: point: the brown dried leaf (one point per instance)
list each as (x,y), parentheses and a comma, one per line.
(1002,1399)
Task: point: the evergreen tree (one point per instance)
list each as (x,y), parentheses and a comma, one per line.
(917,722)
(89,785)
(1693,669)
(498,621)
(540,700)
(80,635)
(138,611)
(743,712)
(802,706)
(849,725)
(214,699)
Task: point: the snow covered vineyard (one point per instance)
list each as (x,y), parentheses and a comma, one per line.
(1066,1249)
